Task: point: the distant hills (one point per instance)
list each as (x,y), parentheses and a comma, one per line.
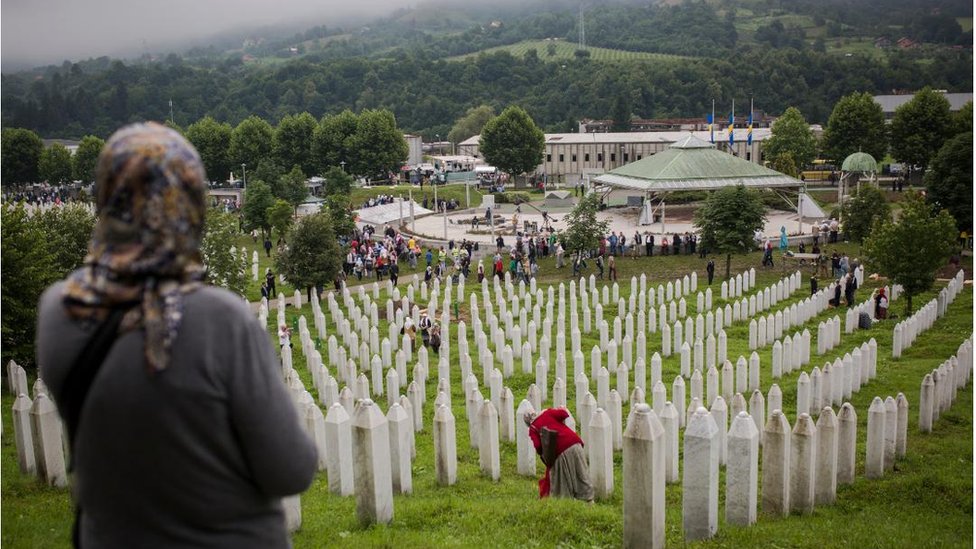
(431,62)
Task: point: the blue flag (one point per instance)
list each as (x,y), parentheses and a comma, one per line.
(711,128)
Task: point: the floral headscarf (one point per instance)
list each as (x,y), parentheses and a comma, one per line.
(151,201)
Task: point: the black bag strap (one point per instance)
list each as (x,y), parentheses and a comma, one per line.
(83,372)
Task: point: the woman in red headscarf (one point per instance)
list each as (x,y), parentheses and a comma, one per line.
(567,475)
(881,305)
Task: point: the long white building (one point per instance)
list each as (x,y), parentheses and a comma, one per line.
(570,156)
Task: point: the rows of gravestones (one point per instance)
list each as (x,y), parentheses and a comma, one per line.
(480,431)
(906,331)
(355,437)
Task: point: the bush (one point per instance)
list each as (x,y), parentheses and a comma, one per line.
(512,197)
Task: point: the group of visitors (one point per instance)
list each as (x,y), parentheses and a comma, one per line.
(379,200)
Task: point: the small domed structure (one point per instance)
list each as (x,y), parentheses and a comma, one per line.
(860,162)
(856,167)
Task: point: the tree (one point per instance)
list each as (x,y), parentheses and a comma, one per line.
(621,112)
(471,123)
(312,257)
(910,251)
(54,165)
(949,180)
(339,208)
(962,120)
(857,123)
(512,142)
(85,159)
(226,267)
(728,220)
(337,181)
(250,142)
(21,150)
(791,134)
(212,140)
(783,162)
(257,200)
(379,146)
(281,217)
(292,188)
(920,127)
(69,229)
(292,143)
(863,208)
(583,229)
(332,140)
(28,267)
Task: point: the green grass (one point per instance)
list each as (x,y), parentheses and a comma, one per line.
(925,503)
(567,50)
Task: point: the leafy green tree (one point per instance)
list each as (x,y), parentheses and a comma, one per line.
(621,112)
(379,146)
(583,229)
(268,171)
(332,140)
(85,159)
(791,134)
(962,120)
(865,206)
(292,143)
(21,150)
(912,249)
(949,181)
(68,229)
(257,200)
(28,267)
(857,123)
(54,166)
(212,140)
(783,162)
(339,208)
(471,123)
(728,220)
(292,187)
(312,257)
(337,181)
(226,267)
(250,142)
(281,216)
(512,142)
(920,127)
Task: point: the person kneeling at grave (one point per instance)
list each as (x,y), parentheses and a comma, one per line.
(561,450)
(181,429)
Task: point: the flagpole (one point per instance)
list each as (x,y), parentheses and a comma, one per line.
(732,128)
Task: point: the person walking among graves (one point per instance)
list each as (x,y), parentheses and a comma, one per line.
(599,266)
(394,273)
(180,428)
(264,291)
(267,246)
(664,245)
(710,269)
(561,450)
(611,268)
(649,243)
(269,279)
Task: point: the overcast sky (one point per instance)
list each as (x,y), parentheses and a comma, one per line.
(38,32)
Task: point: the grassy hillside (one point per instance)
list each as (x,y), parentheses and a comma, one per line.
(567,50)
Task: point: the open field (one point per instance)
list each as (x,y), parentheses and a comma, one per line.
(567,50)
(926,502)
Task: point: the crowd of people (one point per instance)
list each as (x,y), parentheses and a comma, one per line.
(41,195)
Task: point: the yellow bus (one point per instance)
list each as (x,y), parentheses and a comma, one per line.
(820,171)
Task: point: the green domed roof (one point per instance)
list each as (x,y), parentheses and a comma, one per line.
(860,162)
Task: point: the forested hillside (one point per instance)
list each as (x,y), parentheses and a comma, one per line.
(796,53)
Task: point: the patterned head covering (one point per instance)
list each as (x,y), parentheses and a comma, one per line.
(145,250)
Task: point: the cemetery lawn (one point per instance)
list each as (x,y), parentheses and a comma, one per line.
(926,502)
